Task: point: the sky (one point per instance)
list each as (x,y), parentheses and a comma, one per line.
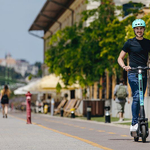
(16,17)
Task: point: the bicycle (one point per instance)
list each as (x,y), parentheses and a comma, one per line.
(142,130)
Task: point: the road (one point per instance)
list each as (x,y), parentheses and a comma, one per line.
(106,136)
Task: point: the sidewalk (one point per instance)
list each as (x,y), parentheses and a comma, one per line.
(16,135)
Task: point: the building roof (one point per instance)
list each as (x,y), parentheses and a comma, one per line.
(50,14)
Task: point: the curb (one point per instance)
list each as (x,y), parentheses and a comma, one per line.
(89,121)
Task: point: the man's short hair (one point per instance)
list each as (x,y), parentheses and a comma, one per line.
(121,80)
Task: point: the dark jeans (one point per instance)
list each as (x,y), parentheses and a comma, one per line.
(134,84)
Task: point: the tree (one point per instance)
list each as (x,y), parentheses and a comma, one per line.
(39,65)
(8,75)
(74,52)
(82,54)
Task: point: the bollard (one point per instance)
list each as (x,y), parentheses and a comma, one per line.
(88,112)
(107,114)
(52,107)
(28,107)
(61,112)
(72,112)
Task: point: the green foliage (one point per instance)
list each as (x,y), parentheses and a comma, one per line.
(8,73)
(80,53)
(113,42)
(134,8)
(146,18)
(30,77)
(39,65)
(75,52)
(58,87)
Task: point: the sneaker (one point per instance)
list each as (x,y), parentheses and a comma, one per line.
(120,120)
(134,128)
(6,115)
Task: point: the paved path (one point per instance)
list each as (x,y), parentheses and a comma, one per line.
(48,132)
(15,134)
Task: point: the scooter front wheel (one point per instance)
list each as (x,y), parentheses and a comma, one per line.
(143,128)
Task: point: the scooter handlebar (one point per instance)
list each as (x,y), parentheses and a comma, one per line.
(139,67)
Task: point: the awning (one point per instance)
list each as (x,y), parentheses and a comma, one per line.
(33,87)
(19,91)
(50,14)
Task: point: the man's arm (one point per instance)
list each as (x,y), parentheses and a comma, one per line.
(128,100)
(121,62)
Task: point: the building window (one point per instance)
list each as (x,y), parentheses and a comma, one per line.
(131,7)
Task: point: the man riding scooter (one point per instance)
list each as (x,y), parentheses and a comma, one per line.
(137,49)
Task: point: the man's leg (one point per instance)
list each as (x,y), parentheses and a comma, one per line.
(120,108)
(133,81)
(123,104)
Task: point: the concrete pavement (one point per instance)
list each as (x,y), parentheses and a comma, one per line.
(16,135)
(47,132)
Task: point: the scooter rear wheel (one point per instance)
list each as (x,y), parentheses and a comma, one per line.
(143,128)
(136,139)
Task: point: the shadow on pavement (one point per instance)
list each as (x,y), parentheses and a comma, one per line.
(122,139)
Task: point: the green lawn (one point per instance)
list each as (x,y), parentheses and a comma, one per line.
(128,123)
(113,119)
(101,119)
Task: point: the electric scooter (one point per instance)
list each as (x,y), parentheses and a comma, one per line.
(142,130)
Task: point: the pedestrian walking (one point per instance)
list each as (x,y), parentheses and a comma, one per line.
(4,97)
(137,49)
(120,95)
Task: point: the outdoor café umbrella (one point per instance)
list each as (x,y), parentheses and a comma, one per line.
(32,86)
(51,81)
(19,91)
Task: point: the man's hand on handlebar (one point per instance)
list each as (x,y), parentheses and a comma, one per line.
(126,68)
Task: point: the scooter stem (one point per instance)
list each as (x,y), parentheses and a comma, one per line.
(142,112)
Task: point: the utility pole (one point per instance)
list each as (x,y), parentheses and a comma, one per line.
(6,74)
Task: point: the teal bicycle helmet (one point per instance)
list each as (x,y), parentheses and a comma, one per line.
(138,23)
